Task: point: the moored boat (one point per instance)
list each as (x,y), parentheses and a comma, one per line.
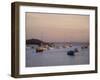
(71,53)
(40,49)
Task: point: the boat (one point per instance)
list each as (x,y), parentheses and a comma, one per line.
(71,53)
(84,47)
(76,50)
(40,49)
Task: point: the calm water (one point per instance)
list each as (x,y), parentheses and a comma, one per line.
(56,57)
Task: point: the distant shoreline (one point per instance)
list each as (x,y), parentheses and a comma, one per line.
(41,41)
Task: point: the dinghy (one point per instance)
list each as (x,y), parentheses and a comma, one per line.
(71,53)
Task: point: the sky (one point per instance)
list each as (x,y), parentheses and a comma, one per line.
(57,27)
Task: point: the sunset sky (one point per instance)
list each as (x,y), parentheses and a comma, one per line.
(57,27)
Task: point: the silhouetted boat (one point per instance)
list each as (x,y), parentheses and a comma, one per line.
(40,49)
(76,50)
(84,47)
(71,53)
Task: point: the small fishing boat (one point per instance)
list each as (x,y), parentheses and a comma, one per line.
(40,49)
(71,53)
(76,50)
(84,47)
(50,48)
(64,46)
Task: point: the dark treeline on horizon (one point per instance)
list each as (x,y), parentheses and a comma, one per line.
(38,42)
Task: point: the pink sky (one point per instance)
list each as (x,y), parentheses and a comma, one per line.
(57,27)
